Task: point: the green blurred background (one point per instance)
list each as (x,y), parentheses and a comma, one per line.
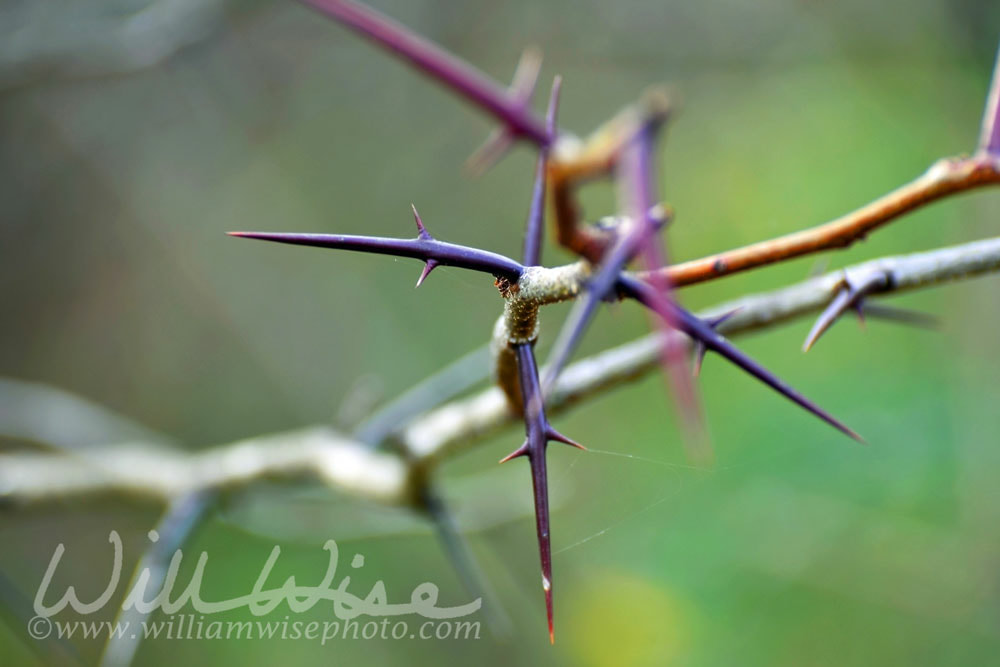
(124,160)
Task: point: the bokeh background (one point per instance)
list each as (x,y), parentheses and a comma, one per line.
(133,134)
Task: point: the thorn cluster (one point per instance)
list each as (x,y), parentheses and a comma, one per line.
(624,154)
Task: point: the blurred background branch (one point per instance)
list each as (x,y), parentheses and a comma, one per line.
(66,40)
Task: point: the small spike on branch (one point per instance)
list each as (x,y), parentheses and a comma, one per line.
(422,232)
(428,267)
(699,347)
(851,295)
(423,235)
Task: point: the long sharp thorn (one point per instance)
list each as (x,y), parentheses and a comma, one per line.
(540,485)
(700,331)
(536,211)
(538,432)
(638,176)
(424,248)
(468,82)
(733,354)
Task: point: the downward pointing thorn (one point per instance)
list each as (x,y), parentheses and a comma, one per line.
(428,267)
(699,357)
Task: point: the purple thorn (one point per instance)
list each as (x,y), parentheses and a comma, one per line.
(517,453)
(538,433)
(421,230)
(437,63)
(632,287)
(989,138)
(552,434)
(716,321)
(424,248)
(428,267)
(536,210)
(638,180)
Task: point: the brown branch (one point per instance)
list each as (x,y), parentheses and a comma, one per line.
(946,177)
(575,163)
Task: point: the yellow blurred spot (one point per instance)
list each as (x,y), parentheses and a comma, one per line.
(624,620)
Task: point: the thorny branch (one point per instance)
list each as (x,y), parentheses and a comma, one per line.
(564,163)
(142,470)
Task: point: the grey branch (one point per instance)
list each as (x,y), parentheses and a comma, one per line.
(141,469)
